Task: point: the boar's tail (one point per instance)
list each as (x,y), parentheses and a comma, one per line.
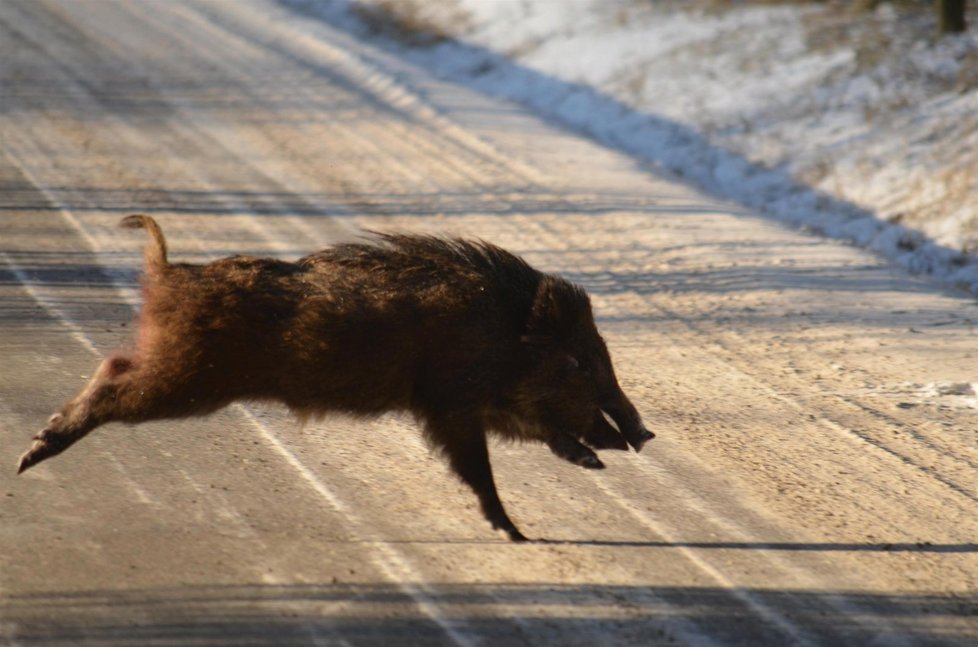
(155,252)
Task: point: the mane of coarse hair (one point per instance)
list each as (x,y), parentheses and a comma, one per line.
(478,254)
(415,260)
(410,252)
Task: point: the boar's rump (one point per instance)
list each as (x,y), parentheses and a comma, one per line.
(465,336)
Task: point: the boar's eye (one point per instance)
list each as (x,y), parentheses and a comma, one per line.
(573,363)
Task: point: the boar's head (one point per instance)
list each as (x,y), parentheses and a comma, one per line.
(571,380)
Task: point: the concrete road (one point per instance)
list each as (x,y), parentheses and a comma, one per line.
(813,481)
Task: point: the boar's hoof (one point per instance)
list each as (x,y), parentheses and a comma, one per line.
(37,453)
(514,534)
(46,444)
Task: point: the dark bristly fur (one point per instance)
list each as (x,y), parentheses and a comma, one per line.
(464,335)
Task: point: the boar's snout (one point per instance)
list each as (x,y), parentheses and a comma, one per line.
(629,423)
(613,402)
(591,389)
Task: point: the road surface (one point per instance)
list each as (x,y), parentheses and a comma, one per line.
(813,479)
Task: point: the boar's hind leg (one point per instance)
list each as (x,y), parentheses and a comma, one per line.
(464,443)
(570,450)
(99,402)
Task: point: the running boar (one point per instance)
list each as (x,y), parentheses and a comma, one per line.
(464,335)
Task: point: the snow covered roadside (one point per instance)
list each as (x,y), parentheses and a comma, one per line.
(859,129)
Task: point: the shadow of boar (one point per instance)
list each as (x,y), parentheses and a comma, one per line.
(465,336)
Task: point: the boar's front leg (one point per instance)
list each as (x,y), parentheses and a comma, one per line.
(463,441)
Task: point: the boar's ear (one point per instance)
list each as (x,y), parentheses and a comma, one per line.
(556,308)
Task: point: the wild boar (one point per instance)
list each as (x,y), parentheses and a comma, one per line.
(465,336)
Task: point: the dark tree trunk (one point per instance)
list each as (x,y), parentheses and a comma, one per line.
(950,16)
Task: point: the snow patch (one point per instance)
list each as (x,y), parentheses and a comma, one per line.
(854,127)
(954,395)
(938,389)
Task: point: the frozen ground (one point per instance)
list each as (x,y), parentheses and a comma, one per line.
(862,127)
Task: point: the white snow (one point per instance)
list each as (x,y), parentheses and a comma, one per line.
(863,128)
(940,395)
